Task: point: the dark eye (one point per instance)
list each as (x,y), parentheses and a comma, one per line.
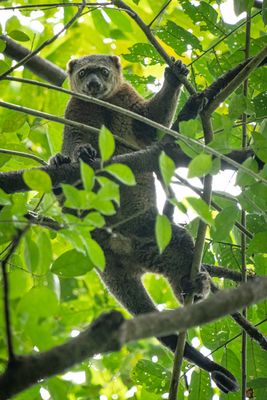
(105,72)
(81,73)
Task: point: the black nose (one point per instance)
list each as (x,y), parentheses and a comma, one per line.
(93,85)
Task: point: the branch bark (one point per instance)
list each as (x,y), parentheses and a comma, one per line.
(110,332)
(38,65)
(140,161)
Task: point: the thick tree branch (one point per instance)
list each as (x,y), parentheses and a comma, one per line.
(139,161)
(110,332)
(38,65)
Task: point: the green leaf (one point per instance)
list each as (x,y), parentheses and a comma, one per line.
(264,12)
(167,167)
(110,191)
(71,263)
(201,165)
(259,146)
(242,5)
(2,45)
(224,222)
(106,144)
(258,244)
(95,219)
(153,377)
(163,232)
(37,180)
(18,35)
(39,302)
(238,105)
(122,172)
(31,253)
(140,52)
(95,253)
(3,66)
(13,121)
(242,178)
(178,38)
(88,176)
(4,198)
(106,207)
(20,282)
(201,209)
(79,199)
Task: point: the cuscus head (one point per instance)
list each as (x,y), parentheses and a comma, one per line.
(95,75)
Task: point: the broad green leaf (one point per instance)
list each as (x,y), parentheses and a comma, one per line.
(122,172)
(39,302)
(71,263)
(203,15)
(242,178)
(260,104)
(88,176)
(105,207)
(79,199)
(200,383)
(238,105)
(152,376)
(94,218)
(178,38)
(4,198)
(2,45)
(201,165)
(31,253)
(37,180)
(13,121)
(140,52)
(3,66)
(224,222)
(167,167)
(264,11)
(110,191)
(18,35)
(258,244)
(163,232)
(242,5)
(20,282)
(95,253)
(106,144)
(201,208)
(189,128)
(259,146)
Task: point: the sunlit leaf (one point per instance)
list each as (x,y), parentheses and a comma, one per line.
(71,263)
(37,180)
(122,172)
(167,167)
(106,144)
(163,232)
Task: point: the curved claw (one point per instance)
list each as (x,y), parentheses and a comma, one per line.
(85,152)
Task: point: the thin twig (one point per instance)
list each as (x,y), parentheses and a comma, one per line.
(4,261)
(159,13)
(22,154)
(244,219)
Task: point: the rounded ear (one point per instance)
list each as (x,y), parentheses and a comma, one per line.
(116,60)
(70,66)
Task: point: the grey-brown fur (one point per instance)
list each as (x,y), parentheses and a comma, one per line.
(136,238)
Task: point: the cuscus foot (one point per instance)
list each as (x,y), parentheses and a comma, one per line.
(85,152)
(59,159)
(193,107)
(178,68)
(199,287)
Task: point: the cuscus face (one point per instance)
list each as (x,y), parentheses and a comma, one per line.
(95,75)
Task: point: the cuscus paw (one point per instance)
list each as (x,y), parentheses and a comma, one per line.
(85,152)
(59,159)
(199,287)
(179,68)
(193,107)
